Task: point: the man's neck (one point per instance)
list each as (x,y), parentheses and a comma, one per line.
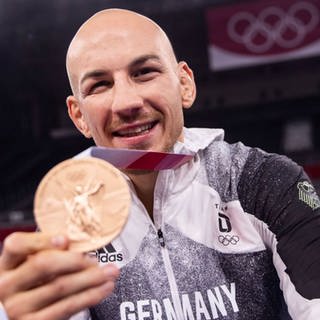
(144,183)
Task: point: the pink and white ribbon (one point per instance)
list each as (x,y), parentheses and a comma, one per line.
(139,159)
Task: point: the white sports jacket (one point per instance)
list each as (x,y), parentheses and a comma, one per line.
(236,235)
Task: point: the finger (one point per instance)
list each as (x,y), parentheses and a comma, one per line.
(43,267)
(65,308)
(62,288)
(19,245)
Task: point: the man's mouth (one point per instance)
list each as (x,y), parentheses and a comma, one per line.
(135,131)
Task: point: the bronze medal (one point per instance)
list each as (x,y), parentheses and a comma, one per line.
(86,199)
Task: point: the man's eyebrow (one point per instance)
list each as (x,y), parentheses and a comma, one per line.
(93,74)
(143,59)
(134,63)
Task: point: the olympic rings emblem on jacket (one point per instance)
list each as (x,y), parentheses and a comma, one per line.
(227,239)
(259,34)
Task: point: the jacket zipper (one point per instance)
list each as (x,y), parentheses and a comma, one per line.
(161,239)
(171,278)
(165,254)
(167,262)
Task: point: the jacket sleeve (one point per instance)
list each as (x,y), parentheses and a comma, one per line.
(278,192)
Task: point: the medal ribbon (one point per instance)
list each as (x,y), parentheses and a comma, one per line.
(140,159)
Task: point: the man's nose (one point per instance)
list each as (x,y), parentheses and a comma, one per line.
(127,100)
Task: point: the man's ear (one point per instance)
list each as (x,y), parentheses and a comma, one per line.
(188,86)
(77,117)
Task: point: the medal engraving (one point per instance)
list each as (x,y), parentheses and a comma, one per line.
(86,199)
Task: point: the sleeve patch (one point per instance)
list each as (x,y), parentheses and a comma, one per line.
(308,195)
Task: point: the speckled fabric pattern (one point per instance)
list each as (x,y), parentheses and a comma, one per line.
(224,164)
(205,279)
(200,269)
(229,192)
(143,278)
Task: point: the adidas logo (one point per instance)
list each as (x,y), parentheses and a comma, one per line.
(107,254)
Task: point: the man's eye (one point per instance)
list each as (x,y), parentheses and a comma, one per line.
(99,86)
(145,73)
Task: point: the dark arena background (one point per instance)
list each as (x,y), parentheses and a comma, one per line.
(258,77)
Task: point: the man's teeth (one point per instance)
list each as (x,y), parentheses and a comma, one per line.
(135,131)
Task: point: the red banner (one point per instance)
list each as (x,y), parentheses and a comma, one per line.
(262,31)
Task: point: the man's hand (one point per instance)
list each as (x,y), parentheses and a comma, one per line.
(41,279)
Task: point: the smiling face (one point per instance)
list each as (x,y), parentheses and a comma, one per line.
(129,91)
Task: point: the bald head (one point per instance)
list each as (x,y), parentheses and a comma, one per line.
(129,91)
(112,30)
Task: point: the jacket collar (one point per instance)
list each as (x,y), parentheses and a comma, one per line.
(196,139)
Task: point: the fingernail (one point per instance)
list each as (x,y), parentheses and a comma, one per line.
(108,286)
(58,241)
(91,258)
(106,270)
(110,272)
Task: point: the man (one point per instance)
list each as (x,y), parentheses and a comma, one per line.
(208,240)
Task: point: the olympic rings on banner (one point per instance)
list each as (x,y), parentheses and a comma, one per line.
(273,33)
